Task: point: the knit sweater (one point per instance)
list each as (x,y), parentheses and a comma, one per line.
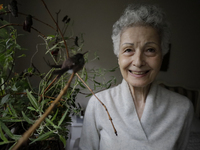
(164,125)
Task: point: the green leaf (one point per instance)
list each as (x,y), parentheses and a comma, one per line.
(52,48)
(108,86)
(5,99)
(2,81)
(14,88)
(50,37)
(6,142)
(2,135)
(30,70)
(18,46)
(30,121)
(3,33)
(12,110)
(63,117)
(8,41)
(54,117)
(86,76)
(97,82)
(109,81)
(32,100)
(63,140)
(10,120)
(89,95)
(7,131)
(43,137)
(43,103)
(31,108)
(80,83)
(16,137)
(5,112)
(114,69)
(23,55)
(51,123)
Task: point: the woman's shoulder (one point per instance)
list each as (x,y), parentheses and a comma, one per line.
(175,98)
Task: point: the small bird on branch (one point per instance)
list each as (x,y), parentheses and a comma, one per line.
(71,65)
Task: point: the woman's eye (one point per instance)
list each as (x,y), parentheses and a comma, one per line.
(128,50)
(151,50)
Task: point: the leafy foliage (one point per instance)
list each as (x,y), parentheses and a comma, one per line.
(21,104)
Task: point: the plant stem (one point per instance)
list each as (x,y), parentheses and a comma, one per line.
(57,27)
(27,134)
(47,88)
(14,24)
(32,17)
(100,102)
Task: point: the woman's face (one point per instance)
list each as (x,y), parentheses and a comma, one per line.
(140,55)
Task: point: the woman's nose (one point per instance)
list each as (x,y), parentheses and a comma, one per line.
(138,59)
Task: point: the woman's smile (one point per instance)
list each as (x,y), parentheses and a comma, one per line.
(138,74)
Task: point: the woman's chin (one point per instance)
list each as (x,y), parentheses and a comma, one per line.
(139,84)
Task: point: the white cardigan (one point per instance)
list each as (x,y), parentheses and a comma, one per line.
(164,125)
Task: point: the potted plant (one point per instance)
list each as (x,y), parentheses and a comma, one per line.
(22,104)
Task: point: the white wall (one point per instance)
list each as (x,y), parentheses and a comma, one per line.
(96,17)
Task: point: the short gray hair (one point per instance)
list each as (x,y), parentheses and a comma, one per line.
(148,15)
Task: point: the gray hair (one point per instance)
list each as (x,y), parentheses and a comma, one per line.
(148,15)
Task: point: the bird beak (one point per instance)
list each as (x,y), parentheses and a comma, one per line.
(85,53)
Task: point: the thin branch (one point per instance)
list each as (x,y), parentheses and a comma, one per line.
(47,88)
(32,17)
(100,102)
(57,19)
(27,134)
(14,24)
(38,32)
(37,70)
(58,28)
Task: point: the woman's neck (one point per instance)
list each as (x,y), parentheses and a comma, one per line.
(139,95)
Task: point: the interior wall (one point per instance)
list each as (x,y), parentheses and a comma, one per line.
(95,20)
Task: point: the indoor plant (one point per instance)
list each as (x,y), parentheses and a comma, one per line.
(22,104)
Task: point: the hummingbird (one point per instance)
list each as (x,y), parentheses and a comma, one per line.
(12,7)
(28,23)
(71,65)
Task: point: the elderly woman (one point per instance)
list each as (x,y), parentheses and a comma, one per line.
(146,116)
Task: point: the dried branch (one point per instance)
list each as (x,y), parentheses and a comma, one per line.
(100,102)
